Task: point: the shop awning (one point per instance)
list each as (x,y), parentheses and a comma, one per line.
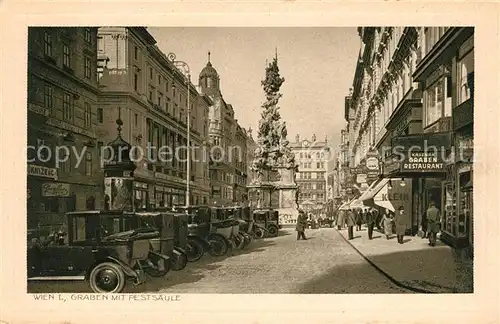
(368,191)
(345,206)
(356,203)
(380,201)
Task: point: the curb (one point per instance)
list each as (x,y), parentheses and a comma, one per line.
(385,274)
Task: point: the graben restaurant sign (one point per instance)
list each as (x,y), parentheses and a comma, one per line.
(423,162)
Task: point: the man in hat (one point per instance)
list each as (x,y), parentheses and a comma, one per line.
(301,225)
(433,222)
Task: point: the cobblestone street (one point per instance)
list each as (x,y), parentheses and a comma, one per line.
(323,264)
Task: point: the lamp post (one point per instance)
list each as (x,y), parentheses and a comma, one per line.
(187,73)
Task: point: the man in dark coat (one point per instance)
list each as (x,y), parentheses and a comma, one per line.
(370,222)
(351,221)
(301,225)
(401,221)
(433,222)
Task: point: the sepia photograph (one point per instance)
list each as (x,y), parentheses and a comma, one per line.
(250,160)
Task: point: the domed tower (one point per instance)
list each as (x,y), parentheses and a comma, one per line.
(209,80)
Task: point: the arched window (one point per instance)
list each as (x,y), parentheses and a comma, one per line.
(209,82)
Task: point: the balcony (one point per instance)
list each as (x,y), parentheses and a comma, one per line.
(443,124)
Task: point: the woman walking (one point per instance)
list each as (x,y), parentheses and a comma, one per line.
(387,223)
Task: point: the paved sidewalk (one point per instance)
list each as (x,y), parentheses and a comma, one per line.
(415,264)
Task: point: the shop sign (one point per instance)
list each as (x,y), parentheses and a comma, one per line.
(63,125)
(361,178)
(372,163)
(41,171)
(55,189)
(423,162)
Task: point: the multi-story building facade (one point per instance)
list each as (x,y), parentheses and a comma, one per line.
(63,164)
(228,140)
(139,83)
(413,89)
(312,158)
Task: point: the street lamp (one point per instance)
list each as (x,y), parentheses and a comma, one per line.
(184,67)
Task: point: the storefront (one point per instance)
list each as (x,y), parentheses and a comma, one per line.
(421,160)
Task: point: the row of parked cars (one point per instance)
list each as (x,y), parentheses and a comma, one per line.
(110,248)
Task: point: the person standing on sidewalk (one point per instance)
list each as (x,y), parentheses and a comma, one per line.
(401,222)
(370,222)
(387,222)
(359,219)
(433,222)
(351,221)
(301,225)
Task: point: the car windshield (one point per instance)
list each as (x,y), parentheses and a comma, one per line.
(110,225)
(147,222)
(260,216)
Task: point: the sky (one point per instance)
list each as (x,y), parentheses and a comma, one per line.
(317,63)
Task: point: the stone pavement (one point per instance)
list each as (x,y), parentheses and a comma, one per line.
(323,264)
(415,264)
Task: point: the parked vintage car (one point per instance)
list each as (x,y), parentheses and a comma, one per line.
(269,219)
(202,230)
(98,248)
(164,223)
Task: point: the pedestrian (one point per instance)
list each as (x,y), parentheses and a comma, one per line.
(387,222)
(424,225)
(359,219)
(401,221)
(351,221)
(433,222)
(341,217)
(301,225)
(370,222)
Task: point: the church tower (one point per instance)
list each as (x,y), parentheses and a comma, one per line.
(209,81)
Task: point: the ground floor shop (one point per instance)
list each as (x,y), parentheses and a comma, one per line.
(49,199)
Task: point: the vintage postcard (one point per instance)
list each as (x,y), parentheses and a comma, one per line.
(291,166)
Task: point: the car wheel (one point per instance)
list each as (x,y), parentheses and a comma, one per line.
(259,232)
(218,245)
(179,261)
(273,231)
(195,250)
(107,277)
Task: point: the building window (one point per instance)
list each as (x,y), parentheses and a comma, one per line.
(66,56)
(87,68)
(99,147)
(151,73)
(136,53)
(318,164)
(159,99)
(88,115)
(100,116)
(136,119)
(48,97)
(100,44)
(67,107)
(88,164)
(159,79)
(151,95)
(65,163)
(465,79)
(434,100)
(88,35)
(47,44)
(136,82)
